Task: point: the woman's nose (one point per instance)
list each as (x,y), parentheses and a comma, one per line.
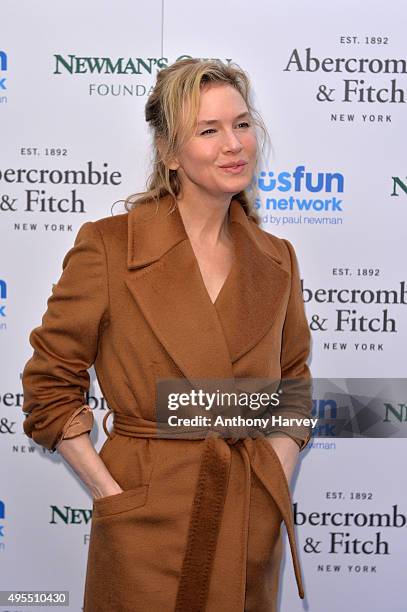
(232,143)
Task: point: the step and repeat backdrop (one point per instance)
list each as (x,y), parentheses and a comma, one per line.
(330,82)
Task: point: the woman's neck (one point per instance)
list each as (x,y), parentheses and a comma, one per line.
(205,223)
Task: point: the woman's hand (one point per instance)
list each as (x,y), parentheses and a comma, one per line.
(113,489)
(81,455)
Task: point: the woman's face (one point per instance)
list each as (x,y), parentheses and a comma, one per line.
(229,138)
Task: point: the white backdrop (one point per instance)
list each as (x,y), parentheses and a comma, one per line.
(335,186)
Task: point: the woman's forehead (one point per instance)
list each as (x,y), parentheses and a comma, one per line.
(212,104)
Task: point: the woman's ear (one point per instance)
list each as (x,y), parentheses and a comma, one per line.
(173,165)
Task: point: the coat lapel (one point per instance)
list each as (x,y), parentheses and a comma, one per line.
(249,302)
(202,338)
(167,285)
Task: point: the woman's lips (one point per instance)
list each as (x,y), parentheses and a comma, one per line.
(235,169)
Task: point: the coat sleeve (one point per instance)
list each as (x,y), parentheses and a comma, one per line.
(296,397)
(55,378)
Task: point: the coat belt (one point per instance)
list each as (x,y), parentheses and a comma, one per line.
(209,498)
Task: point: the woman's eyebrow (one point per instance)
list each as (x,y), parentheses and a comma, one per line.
(211,121)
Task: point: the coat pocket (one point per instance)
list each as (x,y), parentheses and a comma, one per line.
(129,460)
(120,502)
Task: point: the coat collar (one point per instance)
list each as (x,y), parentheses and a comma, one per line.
(204,339)
(154,230)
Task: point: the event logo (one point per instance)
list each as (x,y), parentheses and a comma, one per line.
(339,533)
(395,414)
(2,517)
(3,297)
(74,64)
(349,318)
(7,426)
(353,89)
(111,68)
(326,410)
(359,407)
(344,85)
(70,516)
(399,186)
(39,200)
(304,197)
(3,85)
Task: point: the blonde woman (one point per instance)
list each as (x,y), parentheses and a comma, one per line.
(184,285)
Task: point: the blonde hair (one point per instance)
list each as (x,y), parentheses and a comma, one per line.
(172,111)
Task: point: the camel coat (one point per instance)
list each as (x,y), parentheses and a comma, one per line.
(198,524)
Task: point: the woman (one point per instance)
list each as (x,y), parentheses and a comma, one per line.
(184,285)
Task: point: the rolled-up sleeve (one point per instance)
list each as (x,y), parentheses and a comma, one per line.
(296,396)
(55,379)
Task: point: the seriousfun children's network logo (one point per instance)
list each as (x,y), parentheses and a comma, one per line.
(3,297)
(300,196)
(3,68)
(2,517)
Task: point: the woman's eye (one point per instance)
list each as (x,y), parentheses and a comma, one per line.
(244,123)
(206,131)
